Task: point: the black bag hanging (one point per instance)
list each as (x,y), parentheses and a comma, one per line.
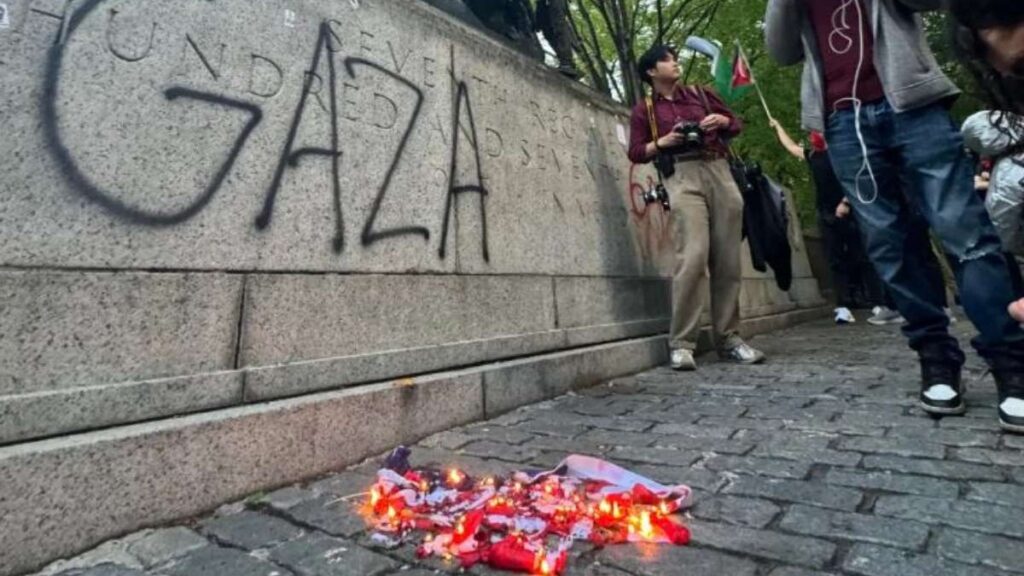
(765,222)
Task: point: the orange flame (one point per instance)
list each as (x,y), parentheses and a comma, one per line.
(646,530)
(541,563)
(374,496)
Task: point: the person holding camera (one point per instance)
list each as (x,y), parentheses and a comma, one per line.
(685,130)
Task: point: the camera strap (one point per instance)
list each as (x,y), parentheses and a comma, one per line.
(654,131)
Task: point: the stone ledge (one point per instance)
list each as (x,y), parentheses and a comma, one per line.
(63,495)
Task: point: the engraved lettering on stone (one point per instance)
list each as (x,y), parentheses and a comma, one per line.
(493,142)
(314,83)
(385,111)
(567,126)
(58,18)
(364,41)
(213,67)
(438,128)
(536,111)
(394,57)
(266,78)
(554,156)
(429,71)
(334,30)
(133,55)
(350,104)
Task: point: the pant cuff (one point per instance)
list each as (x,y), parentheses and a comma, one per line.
(691,346)
(728,342)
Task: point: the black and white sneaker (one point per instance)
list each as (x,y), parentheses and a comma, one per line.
(1011,400)
(941,389)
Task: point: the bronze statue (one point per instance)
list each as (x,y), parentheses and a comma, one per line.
(553,21)
(516,22)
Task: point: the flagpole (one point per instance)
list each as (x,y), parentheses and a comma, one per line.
(753,78)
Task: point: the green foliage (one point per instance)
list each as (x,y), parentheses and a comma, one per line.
(610,34)
(741,20)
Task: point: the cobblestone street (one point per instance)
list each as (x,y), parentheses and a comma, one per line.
(819,462)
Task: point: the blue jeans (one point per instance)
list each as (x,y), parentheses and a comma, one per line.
(921,153)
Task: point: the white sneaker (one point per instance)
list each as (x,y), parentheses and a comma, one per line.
(844,316)
(682,359)
(880,316)
(742,354)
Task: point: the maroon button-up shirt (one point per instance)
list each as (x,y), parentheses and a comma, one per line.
(685,106)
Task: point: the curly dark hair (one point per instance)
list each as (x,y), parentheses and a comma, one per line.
(1005,93)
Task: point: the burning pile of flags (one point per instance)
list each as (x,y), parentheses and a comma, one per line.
(526,522)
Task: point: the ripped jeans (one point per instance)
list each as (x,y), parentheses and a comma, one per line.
(921,152)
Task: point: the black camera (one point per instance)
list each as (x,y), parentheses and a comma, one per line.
(656,194)
(693,135)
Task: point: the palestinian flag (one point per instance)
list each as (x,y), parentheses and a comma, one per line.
(732,77)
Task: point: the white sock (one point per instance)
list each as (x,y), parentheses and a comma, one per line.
(940,392)
(1013,407)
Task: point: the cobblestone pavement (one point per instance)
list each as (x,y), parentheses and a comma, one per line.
(819,462)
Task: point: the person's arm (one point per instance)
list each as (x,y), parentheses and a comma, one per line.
(731,126)
(787,142)
(782,25)
(642,148)
(923,5)
(639,138)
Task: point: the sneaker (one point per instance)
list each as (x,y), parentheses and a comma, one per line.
(1011,400)
(682,359)
(742,354)
(880,316)
(941,389)
(844,316)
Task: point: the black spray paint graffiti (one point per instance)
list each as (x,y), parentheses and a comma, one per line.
(370,236)
(333,153)
(81,183)
(462,95)
(327,44)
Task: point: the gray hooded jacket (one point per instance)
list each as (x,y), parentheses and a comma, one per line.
(1005,198)
(910,75)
